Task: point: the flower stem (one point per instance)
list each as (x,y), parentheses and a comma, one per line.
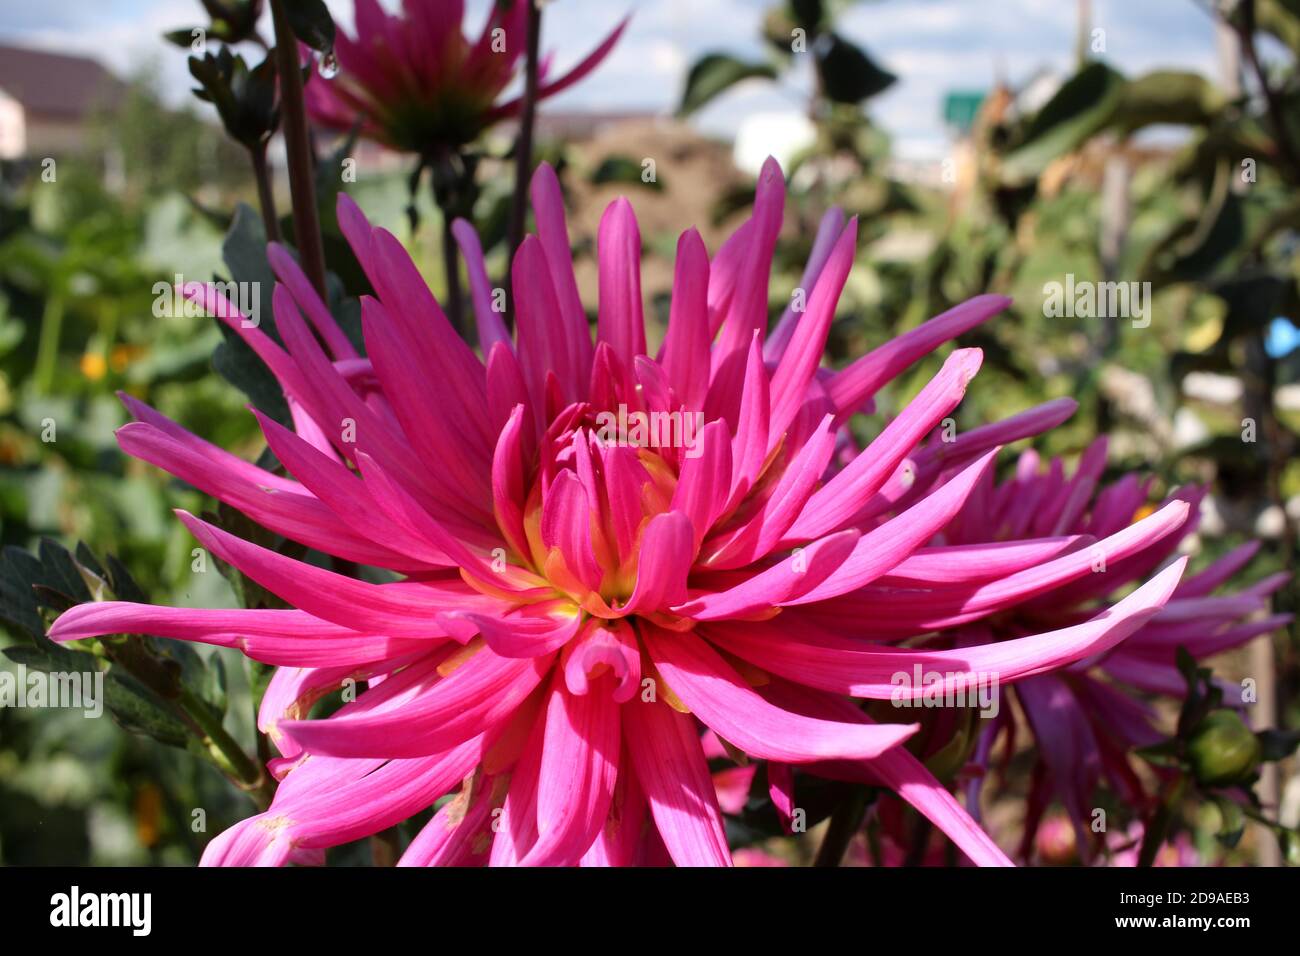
(451,266)
(47,350)
(224,749)
(454,193)
(846,820)
(524,144)
(163,678)
(302,187)
(265,198)
(1157,828)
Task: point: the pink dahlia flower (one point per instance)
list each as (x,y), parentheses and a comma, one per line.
(583,588)
(1084,718)
(416,82)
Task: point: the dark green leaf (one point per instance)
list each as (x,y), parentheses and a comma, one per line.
(847,73)
(715,73)
(1080,108)
(311,23)
(623,170)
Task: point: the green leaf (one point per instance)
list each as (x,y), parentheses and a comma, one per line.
(623,170)
(244,252)
(311,23)
(18,572)
(137,709)
(1233,823)
(809,14)
(1278,744)
(1080,108)
(1168,96)
(713,74)
(60,572)
(848,74)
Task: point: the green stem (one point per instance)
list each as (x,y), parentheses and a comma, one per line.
(1157,828)
(223,748)
(846,820)
(265,197)
(47,351)
(524,144)
(297,145)
(163,678)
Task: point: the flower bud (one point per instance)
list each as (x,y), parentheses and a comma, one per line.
(1223,750)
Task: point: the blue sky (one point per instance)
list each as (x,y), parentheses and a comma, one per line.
(933,45)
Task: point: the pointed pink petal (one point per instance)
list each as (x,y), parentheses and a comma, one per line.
(576,782)
(716,694)
(854,385)
(665,750)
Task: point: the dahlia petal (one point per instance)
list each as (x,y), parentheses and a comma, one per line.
(287,270)
(720,698)
(619,320)
(585,66)
(347,496)
(1066,744)
(342,414)
(491,327)
(286,637)
(460,832)
(508,481)
(579,766)
(828,234)
(704,482)
(403,609)
(397,503)
(848,667)
(603,646)
(625,482)
(389,795)
(1082,486)
(784,583)
(544,344)
(685,354)
(1203,644)
(761,533)
(290,694)
(425,409)
(257,841)
(566,526)
(724,273)
(894,612)
(530,631)
(967,563)
(552,230)
(664,747)
(749,443)
(481,692)
(857,383)
(294,514)
(882,549)
(913,479)
(666,551)
(747,316)
(440,353)
(219,457)
(799,362)
(836,503)
(1204,582)
(619,841)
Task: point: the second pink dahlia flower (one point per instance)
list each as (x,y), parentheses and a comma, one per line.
(416,82)
(581,595)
